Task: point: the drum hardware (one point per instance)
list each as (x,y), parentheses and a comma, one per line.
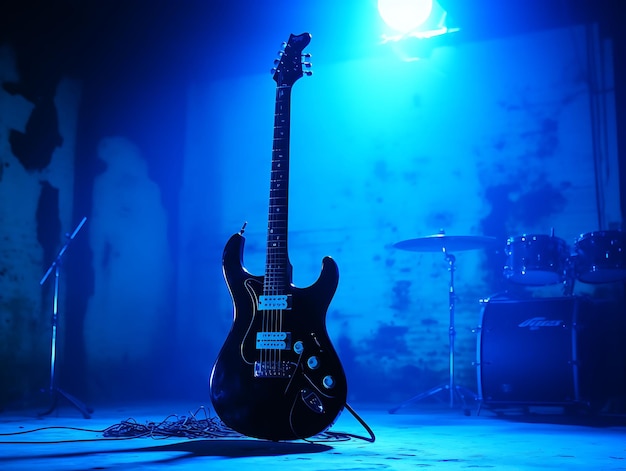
(569,280)
(445,244)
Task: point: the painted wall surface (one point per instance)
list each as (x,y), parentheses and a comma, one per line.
(486,139)
(37,153)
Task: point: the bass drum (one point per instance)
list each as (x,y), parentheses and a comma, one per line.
(550,351)
(601,257)
(527,352)
(535,259)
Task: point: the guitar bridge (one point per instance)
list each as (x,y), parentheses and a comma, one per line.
(273,369)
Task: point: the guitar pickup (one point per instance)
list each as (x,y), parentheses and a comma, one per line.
(273,340)
(270,302)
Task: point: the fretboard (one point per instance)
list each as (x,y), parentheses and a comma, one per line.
(277,268)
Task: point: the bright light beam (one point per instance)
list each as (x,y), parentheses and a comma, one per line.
(405,16)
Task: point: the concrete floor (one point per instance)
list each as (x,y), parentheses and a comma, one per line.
(417,436)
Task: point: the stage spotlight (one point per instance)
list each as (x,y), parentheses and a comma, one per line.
(420,19)
(405,16)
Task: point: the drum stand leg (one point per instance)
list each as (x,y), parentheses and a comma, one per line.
(456,394)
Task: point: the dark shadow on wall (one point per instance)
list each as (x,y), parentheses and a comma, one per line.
(130,88)
(147,106)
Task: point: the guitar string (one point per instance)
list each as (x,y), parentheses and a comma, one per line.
(276,267)
(268,282)
(284,119)
(275,264)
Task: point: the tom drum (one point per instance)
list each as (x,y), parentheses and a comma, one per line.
(535,259)
(601,257)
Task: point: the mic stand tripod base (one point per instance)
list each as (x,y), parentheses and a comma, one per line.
(56,393)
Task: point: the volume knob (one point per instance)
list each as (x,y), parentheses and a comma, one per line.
(328,382)
(313,362)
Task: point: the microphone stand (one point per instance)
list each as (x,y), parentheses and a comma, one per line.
(56,392)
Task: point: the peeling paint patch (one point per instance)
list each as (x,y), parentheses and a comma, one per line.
(401,295)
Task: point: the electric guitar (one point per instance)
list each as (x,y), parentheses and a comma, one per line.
(277,376)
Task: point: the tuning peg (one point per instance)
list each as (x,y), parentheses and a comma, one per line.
(308,65)
(308,72)
(307,55)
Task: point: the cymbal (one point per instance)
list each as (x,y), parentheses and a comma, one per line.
(445,243)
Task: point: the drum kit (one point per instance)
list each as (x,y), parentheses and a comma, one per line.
(597,257)
(531,260)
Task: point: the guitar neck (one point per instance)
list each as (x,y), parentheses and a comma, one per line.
(277,266)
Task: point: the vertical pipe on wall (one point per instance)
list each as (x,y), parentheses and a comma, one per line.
(619,53)
(601,85)
(595,113)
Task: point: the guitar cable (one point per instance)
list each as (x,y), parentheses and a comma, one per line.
(198,425)
(334,436)
(372,437)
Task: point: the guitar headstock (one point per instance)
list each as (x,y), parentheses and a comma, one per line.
(289,65)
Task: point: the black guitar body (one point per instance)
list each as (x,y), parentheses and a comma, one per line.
(293,391)
(277,376)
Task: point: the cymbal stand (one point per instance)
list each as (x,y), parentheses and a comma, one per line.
(453,389)
(54,391)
